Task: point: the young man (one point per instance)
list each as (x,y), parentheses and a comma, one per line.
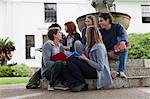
(114,34)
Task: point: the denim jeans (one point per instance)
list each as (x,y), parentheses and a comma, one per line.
(122,60)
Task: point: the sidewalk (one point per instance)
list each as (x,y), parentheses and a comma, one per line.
(19,92)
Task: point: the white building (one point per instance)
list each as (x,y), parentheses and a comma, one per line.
(26,22)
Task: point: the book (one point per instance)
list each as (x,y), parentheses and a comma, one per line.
(59,56)
(74,54)
(117,47)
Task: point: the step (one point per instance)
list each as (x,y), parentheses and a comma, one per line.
(136,71)
(132,63)
(132,81)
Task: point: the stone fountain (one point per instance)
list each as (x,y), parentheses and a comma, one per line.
(104,6)
(138,71)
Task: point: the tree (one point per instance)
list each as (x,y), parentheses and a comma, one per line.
(6,47)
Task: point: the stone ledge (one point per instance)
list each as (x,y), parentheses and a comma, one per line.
(147,62)
(130,63)
(136,71)
(132,81)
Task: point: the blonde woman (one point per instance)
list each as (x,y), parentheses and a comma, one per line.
(89,20)
(94,63)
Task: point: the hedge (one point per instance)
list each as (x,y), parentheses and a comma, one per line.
(140,46)
(21,70)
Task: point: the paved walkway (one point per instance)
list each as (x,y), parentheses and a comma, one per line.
(19,92)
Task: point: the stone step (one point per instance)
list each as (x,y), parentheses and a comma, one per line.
(132,81)
(132,63)
(136,71)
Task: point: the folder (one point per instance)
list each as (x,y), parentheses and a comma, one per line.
(117,49)
(74,54)
(59,56)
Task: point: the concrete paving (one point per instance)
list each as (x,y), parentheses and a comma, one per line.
(19,92)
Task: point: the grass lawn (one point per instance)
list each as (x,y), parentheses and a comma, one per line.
(13,80)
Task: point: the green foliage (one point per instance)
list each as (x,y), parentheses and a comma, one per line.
(140,46)
(6,47)
(14,80)
(21,70)
(6,44)
(6,71)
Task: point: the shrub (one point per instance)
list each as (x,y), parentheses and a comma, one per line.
(6,47)
(6,71)
(140,46)
(21,70)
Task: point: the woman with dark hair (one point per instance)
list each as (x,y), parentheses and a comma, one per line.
(55,70)
(72,36)
(62,34)
(34,81)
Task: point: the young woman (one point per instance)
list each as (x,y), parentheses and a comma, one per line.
(51,70)
(94,64)
(89,20)
(56,71)
(72,36)
(62,34)
(34,81)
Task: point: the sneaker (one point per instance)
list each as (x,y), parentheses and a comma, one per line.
(77,88)
(114,74)
(85,87)
(123,75)
(49,88)
(60,86)
(32,86)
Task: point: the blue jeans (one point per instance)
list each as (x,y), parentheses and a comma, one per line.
(122,60)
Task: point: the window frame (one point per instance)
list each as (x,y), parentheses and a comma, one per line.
(47,13)
(44,38)
(145,13)
(27,47)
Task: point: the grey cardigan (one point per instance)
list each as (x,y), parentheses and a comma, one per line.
(99,61)
(47,52)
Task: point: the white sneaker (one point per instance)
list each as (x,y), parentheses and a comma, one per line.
(114,74)
(49,88)
(123,75)
(60,86)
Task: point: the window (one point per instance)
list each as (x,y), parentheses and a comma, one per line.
(50,12)
(30,47)
(45,38)
(145,13)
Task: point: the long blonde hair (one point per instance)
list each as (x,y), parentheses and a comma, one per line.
(93,36)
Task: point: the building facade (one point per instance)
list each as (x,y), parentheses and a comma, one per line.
(26,21)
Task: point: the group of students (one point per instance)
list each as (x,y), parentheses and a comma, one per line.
(95,47)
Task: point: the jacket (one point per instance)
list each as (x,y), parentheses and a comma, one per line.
(76,36)
(99,61)
(47,52)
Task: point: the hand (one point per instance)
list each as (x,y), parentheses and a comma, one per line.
(83,57)
(122,46)
(112,55)
(66,48)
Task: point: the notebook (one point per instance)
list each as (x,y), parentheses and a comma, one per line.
(117,49)
(59,56)
(74,54)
